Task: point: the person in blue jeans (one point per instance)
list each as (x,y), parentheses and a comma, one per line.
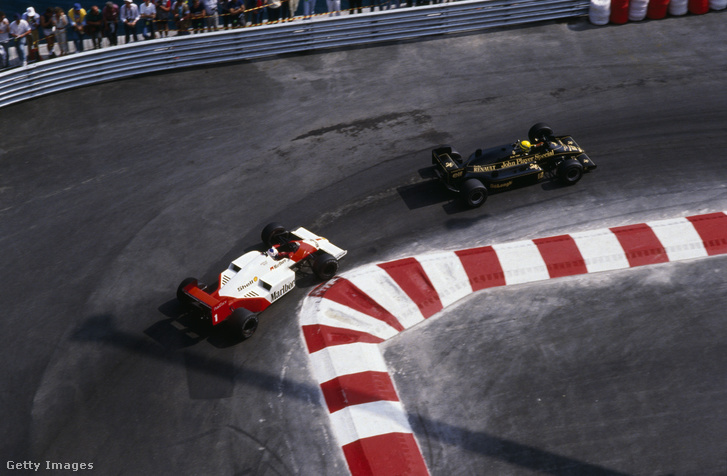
(19,30)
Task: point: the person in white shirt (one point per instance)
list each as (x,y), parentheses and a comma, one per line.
(19,30)
(129,16)
(147,11)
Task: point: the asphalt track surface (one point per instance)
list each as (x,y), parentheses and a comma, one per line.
(113,194)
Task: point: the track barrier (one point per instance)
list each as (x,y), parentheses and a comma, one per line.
(602,12)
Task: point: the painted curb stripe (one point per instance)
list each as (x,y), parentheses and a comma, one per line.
(521,262)
(318,337)
(561,256)
(375,281)
(355,389)
(343,322)
(389,454)
(711,228)
(346,293)
(482,267)
(640,244)
(412,279)
(369,419)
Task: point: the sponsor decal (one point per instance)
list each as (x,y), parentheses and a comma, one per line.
(247,284)
(501,185)
(279,293)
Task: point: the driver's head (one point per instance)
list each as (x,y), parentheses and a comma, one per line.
(273,253)
(525,146)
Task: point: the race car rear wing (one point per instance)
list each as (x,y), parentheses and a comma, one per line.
(323,243)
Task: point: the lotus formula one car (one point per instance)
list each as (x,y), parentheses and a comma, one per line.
(512,165)
(256,279)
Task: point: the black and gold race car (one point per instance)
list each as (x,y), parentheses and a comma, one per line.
(525,162)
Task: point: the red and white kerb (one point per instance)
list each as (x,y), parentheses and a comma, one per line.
(344,320)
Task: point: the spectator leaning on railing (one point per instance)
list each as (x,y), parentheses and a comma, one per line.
(110,15)
(94,26)
(77,19)
(129,16)
(147,13)
(164,15)
(33,20)
(60,19)
(47,27)
(19,30)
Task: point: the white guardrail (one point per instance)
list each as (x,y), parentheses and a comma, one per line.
(108,64)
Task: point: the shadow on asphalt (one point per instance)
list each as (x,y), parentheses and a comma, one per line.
(217,373)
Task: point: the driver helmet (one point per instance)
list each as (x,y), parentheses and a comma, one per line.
(273,253)
(525,145)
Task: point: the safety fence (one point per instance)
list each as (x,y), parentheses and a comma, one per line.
(162,54)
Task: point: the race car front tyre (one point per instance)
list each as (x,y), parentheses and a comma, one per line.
(570,171)
(271,234)
(325,266)
(473,193)
(245,321)
(540,132)
(181,295)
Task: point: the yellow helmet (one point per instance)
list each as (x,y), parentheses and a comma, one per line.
(525,145)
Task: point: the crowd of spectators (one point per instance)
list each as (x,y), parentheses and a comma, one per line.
(102,25)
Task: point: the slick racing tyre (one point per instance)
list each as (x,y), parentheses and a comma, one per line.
(245,321)
(570,171)
(181,295)
(540,132)
(272,234)
(325,266)
(473,193)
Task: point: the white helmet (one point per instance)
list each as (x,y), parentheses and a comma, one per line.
(273,253)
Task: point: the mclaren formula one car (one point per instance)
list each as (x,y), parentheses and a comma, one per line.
(544,155)
(256,279)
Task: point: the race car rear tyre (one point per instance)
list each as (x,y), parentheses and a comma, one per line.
(245,321)
(181,295)
(570,171)
(540,132)
(473,193)
(325,266)
(271,234)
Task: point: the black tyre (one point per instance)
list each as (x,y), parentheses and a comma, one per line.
(325,266)
(245,321)
(540,132)
(272,233)
(473,193)
(570,171)
(181,295)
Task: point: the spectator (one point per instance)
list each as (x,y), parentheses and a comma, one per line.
(46,26)
(273,8)
(285,14)
(334,6)
(4,40)
(147,13)
(33,20)
(356,5)
(129,16)
(309,8)
(197,14)
(182,17)
(223,10)
(237,13)
(94,26)
(110,15)
(164,9)
(210,10)
(19,30)
(61,21)
(77,20)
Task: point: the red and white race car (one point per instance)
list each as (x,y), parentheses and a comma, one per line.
(256,279)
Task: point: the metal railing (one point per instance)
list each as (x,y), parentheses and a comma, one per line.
(124,61)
